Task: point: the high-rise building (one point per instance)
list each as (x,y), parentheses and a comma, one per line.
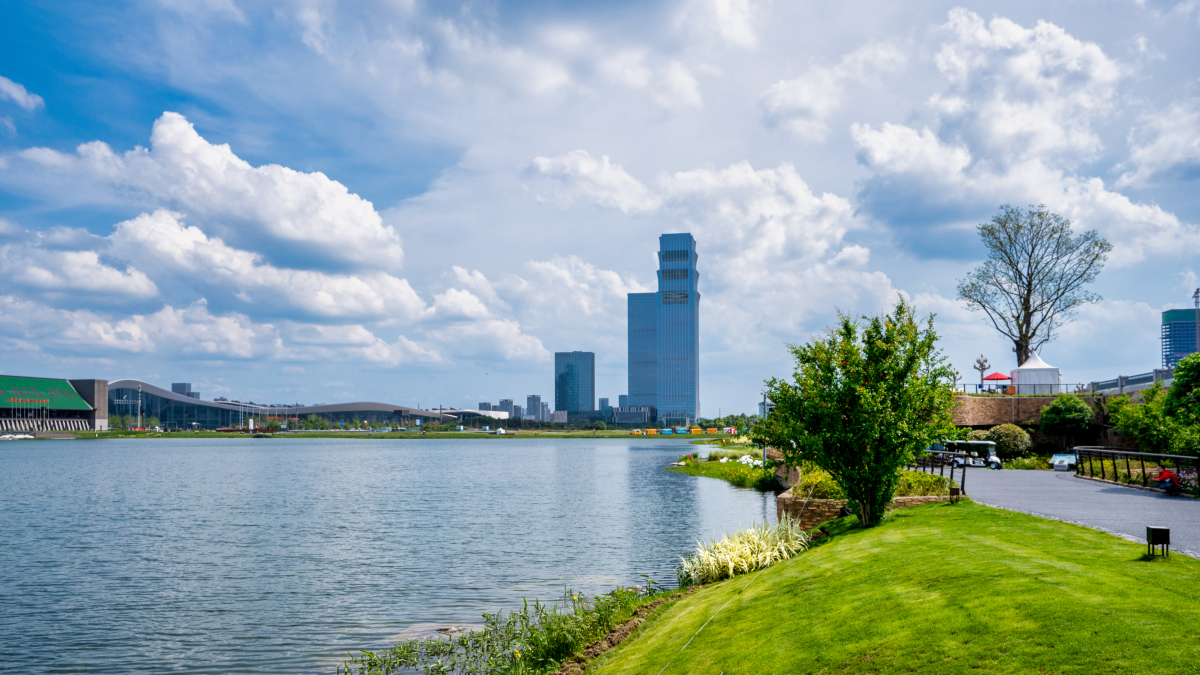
(485,406)
(184,388)
(1178,335)
(602,404)
(533,406)
(545,412)
(664,336)
(505,406)
(574,381)
(517,412)
(623,401)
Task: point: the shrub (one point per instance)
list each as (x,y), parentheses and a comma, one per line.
(533,640)
(1067,416)
(1186,441)
(1011,440)
(921,484)
(978,435)
(823,485)
(760,546)
(1032,463)
(1146,423)
(1183,399)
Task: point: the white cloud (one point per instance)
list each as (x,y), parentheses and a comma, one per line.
(178,249)
(731,20)
(182,170)
(578,175)
(1167,141)
(803,104)
(1024,92)
(16,92)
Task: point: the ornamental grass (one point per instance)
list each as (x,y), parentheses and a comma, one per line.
(760,546)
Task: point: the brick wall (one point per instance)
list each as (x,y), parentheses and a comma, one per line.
(988,411)
(813,512)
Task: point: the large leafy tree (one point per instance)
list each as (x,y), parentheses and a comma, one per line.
(1066,416)
(1183,399)
(865,398)
(1033,279)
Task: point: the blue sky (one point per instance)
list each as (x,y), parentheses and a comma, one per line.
(317,201)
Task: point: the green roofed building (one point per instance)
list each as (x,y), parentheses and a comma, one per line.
(1178,335)
(46,404)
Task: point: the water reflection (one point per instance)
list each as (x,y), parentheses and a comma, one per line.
(274,556)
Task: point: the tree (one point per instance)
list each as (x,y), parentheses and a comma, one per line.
(866,398)
(1011,440)
(1066,415)
(1146,423)
(1033,279)
(1183,398)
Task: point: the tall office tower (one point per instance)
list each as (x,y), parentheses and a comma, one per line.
(1179,335)
(517,412)
(545,412)
(505,406)
(603,404)
(664,336)
(485,406)
(533,406)
(574,381)
(623,401)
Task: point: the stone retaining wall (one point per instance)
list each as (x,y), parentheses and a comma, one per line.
(813,512)
(988,411)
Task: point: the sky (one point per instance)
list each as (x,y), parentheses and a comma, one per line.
(318,201)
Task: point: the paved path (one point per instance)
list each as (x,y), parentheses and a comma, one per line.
(1122,511)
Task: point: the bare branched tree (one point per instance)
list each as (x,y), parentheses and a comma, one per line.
(1033,279)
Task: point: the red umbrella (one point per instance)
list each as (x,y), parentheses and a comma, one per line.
(995,377)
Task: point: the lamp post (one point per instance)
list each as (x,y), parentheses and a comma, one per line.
(981,364)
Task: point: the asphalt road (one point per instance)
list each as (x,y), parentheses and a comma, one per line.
(1122,511)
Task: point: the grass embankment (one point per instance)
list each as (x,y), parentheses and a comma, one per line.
(938,589)
(410,434)
(740,475)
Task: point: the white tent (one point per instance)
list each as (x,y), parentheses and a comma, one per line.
(1035,376)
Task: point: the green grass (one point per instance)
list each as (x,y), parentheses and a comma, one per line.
(938,589)
(740,475)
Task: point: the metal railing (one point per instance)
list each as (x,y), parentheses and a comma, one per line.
(1136,468)
(1023,389)
(936,461)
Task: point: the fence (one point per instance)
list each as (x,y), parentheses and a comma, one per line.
(1024,389)
(936,461)
(1106,464)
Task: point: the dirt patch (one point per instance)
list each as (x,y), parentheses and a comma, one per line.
(617,635)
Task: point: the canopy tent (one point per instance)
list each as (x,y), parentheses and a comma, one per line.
(1035,376)
(996,377)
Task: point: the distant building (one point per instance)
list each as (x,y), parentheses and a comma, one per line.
(602,404)
(664,336)
(485,406)
(517,412)
(533,407)
(623,401)
(1178,335)
(633,416)
(560,417)
(184,389)
(545,417)
(505,405)
(574,381)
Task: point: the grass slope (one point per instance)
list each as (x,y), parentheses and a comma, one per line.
(939,589)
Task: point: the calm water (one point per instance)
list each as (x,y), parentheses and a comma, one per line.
(281,555)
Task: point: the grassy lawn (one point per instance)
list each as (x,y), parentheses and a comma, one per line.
(939,589)
(739,475)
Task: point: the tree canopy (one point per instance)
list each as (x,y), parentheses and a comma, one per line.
(865,398)
(1033,279)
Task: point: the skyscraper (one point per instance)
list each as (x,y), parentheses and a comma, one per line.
(574,381)
(603,403)
(533,406)
(1178,335)
(664,336)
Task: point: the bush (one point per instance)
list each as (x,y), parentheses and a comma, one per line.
(1186,441)
(978,435)
(1029,463)
(1011,440)
(921,484)
(1067,416)
(1146,423)
(822,485)
(1182,401)
(749,550)
(534,640)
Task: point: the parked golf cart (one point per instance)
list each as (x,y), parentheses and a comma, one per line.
(980,454)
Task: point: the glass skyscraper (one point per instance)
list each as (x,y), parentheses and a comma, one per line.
(664,336)
(1178,335)
(574,381)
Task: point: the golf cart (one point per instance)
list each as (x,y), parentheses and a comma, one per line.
(980,454)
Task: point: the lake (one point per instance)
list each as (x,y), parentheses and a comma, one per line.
(281,555)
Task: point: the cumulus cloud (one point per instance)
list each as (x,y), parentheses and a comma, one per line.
(181,170)
(16,92)
(176,249)
(730,20)
(1166,143)
(578,175)
(803,105)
